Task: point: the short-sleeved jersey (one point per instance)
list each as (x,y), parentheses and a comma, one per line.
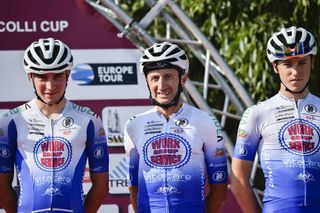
(170,159)
(286,134)
(50,155)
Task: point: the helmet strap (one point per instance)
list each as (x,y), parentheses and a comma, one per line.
(297,92)
(40,99)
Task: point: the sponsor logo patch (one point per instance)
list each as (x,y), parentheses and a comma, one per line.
(52,153)
(300,137)
(310,108)
(4,152)
(166,151)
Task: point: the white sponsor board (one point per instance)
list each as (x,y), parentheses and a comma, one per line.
(110,208)
(114,119)
(130,209)
(97,75)
(118,181)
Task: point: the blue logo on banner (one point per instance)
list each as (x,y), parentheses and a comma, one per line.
(82,73)
(105,74)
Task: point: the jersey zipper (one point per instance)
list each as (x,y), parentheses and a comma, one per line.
(52,173)
(166,194)
(303,160)
(165,173)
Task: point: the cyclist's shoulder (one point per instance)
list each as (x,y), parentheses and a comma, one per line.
(141,117)
(82,111)
(193,113)
(261,110)
(313,98)
(17,111)
(265,105)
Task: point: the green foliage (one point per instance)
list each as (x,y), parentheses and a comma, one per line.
(240,29)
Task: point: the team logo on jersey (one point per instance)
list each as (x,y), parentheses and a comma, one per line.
(4,152)
(182,122)
(52,191)
(219,176)
(67,122)
(219,152)
(300,137)
(98,152)
(167,189)
(305,177)
(166,151)
(102,133)
(242,133)
(310,108)
(52,153)
(242,150)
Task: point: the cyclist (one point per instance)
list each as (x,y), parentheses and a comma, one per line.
(49,139)
(172,147)
(284,130)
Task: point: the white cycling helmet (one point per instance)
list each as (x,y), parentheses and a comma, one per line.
(47,56)
(291,42)
(164,55)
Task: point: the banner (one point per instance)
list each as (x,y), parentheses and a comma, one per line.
(114,120)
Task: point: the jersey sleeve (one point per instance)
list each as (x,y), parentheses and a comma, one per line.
(214,151)
(248,135)
(97,147)
(8,144)
(132,156)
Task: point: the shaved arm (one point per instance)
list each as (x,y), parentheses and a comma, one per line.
(216,197)
(8,197)
(241,187)
(134,197)
(97,193)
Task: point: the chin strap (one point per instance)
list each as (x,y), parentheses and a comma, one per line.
(174,101)
(40,99)
(297,92)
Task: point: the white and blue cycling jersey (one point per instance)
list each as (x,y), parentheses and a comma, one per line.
(285,134)
(50,155)
(171,160)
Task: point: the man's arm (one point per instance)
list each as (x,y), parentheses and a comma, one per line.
(241,187)
(216,197)
(8,197)
(134,197)
(97,193)
(132,160)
